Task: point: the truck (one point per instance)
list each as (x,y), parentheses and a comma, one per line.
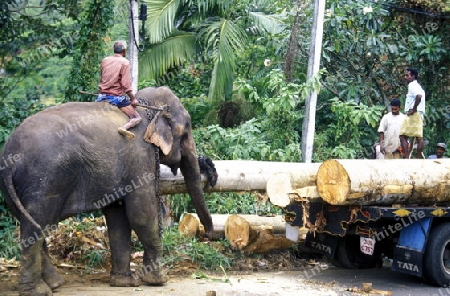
(417,239)
(378,217)
(357,212)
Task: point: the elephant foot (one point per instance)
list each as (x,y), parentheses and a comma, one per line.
(124,280)
(41,289)
(51,277)
(155,278)
(129,135)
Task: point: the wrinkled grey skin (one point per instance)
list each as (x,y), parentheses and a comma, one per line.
(55,175)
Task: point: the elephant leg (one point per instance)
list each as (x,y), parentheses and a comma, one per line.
(50,274)
(31,283)
(146,227)
(119,233)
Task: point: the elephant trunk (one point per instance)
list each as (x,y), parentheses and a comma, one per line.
(191,173)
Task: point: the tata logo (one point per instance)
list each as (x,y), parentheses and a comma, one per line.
(321,247)
(408,266)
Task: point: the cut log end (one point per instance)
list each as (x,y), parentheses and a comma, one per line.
(333,182)
(190,226)
(278,188)
(237,232)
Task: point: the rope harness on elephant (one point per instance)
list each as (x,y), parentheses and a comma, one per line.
(152,112)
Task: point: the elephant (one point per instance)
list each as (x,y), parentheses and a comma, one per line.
(70,159)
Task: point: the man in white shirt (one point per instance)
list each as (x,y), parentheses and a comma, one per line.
(389,131)
(440,150)
(415,110)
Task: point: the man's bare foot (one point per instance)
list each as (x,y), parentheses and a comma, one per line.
(127,134)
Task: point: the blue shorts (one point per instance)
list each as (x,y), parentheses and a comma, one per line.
(119,101)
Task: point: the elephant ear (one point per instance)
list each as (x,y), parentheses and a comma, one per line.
(159,132)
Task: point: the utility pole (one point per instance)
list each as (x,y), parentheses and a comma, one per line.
(309,121)
(134,39)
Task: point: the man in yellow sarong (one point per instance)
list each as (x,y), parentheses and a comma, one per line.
(412,126)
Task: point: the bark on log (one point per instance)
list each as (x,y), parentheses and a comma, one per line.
(281,193)
(384,182)
(243,175)
(266,242)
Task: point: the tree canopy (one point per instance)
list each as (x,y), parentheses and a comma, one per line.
(236,63)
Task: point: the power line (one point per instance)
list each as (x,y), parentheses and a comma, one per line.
(139,47)
(411,10)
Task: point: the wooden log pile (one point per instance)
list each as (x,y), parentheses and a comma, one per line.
(247,233)
(275,178)
(336,181)
(245,175)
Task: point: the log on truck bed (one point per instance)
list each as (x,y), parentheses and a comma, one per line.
(384,182)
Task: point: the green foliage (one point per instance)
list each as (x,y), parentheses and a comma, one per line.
(95,258)
(207,255)
(209,32)
(30,36)
(190,85)
(248,141)
(223,203)
(12,113)
(240,203)
(350,123)
(10,247)
(356,44)
(96,20)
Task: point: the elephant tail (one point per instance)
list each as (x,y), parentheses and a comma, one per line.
(16,200)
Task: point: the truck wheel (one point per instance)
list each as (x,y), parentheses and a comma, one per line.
(349,255)
(437,256)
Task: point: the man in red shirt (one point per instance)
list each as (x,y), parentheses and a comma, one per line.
(115,82)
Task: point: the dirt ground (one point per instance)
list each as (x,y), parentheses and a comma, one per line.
(266,281)
(281,272)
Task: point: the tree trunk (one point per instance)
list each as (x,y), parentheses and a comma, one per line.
(293,46)
(384,182)
(238,175)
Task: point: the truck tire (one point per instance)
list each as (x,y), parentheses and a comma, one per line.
(437,256)
(349,255)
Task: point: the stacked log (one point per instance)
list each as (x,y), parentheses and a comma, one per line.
(336,181)
(384,182)
(240,175)
(247,233)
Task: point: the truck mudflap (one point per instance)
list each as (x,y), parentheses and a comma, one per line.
(322,243)
(410,249)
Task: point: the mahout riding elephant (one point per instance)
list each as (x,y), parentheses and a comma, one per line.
(70,159)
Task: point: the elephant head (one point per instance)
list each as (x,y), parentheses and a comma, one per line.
(170,129)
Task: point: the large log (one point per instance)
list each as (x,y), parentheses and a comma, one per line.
(245,175)
(384,182)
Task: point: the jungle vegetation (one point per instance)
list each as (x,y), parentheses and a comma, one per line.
(239,67)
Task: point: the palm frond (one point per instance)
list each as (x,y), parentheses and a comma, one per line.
(222,76)
(175,50)
(271,23)
(205,5)
(160,18)
(222,39)
(122,9)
